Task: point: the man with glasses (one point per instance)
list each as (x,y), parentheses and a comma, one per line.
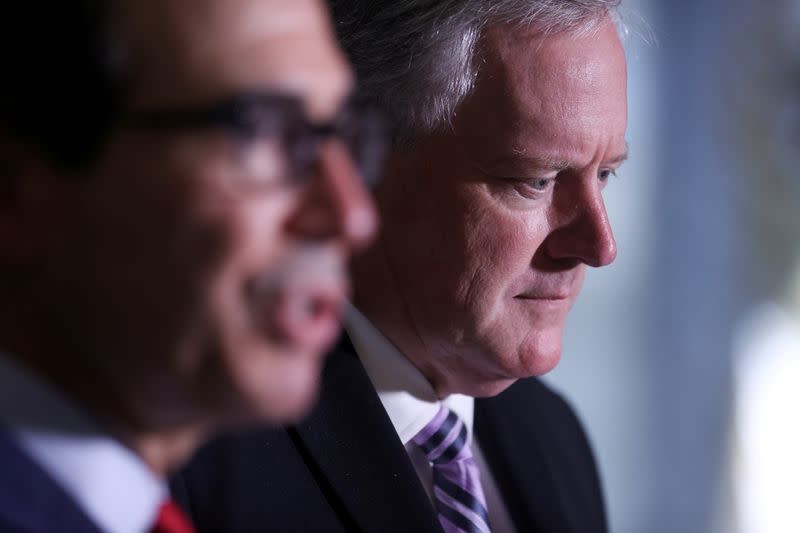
(178,199)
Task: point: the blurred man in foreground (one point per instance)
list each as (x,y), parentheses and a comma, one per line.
(511,119)
(176,211)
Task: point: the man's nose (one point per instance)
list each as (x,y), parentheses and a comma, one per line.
(583,230)
(337,204)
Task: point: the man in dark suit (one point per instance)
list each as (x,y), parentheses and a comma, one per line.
(176,212)
(511,119)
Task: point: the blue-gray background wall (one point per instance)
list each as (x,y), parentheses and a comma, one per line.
(647,352)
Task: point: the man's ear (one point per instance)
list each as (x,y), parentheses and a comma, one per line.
(31,200)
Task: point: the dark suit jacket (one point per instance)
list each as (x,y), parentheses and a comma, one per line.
(344,469)
(30,501)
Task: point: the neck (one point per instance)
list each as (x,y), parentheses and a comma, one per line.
(164,452)
(26,338)
(163,448)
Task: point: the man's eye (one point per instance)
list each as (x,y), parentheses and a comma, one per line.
(604,175)
(244,131)
(251,123)
(260,162)
(536,184)
(532,188)
(539,184)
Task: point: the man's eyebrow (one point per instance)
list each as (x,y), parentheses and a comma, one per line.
(621,158)
(548,163)
(537,161)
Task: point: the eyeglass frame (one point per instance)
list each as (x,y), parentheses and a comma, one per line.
(245,115)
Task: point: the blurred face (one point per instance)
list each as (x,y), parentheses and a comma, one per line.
(194,269)
(488,228)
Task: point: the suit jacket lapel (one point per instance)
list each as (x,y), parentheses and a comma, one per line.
(31,500)
(356,456)
(519,465)
(501,457)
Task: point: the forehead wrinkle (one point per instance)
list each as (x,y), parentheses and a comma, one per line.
(194,50)
(621,157)
(572,147)
(541,161)
(546,61)
(557,100)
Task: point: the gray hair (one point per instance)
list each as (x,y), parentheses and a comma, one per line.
(415,59)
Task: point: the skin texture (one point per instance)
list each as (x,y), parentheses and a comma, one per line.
(135,289)
(488,227)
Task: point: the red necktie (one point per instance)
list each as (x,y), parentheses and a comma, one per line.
(171,520)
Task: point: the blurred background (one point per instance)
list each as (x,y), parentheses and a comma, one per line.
(683,357)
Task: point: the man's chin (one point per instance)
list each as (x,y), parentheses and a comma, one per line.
(531,362)
(541,362)
(291,409)
(487,389)
(528,365)
(540,352)
(282,393)
(499,365)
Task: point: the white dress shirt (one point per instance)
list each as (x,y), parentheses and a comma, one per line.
(110,483)
(410,401)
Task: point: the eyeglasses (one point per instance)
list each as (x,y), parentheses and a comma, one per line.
(276,142)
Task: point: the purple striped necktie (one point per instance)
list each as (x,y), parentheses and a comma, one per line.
(456,479)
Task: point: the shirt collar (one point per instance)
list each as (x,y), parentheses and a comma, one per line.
(107,480)
(409,399)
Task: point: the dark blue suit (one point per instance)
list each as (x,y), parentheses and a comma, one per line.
(344,469)
(30,501)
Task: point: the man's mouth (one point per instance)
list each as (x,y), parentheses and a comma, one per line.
(554,297)
(554,289)
(308,317)
(299,303)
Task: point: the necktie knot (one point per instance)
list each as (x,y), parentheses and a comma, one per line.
(456,481)
(444,439)
(171,519)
